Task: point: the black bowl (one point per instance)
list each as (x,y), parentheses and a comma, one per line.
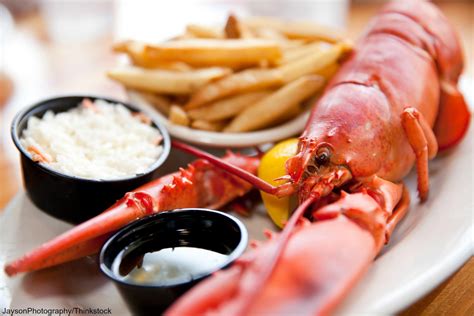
(69,198)
(199,228)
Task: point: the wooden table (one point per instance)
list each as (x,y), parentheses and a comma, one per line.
(41,68)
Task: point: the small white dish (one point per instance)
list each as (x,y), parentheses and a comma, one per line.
(221,140)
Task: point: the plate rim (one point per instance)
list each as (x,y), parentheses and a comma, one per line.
(408,294)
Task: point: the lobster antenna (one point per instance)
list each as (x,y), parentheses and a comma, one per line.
(239,172)
(263,278)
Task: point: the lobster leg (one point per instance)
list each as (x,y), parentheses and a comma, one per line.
(422,140)
(200,185)
(397,214)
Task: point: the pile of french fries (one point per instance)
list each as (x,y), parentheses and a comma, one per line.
(251,74)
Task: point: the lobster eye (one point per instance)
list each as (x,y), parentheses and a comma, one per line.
(323,155)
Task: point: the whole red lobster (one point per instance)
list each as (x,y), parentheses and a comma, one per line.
(373,123)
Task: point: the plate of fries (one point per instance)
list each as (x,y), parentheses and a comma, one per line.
(249,82)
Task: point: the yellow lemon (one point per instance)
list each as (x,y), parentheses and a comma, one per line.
(272,167)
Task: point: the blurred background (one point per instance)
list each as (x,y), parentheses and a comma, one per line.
(53,47)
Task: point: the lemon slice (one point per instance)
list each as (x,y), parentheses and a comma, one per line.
(272,167)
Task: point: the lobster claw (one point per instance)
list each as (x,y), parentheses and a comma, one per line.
(453,117)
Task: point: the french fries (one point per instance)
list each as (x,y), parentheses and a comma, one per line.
(165,81)
(178,116)
(208,126)
(313,62)
(234,28)
(244,81)
(227,108)
(216,52)
(297,30)
(201,31)
(246,75)
(294,53)
(159,102)
(271,108)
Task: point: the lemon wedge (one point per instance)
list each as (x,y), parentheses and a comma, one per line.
(272,166)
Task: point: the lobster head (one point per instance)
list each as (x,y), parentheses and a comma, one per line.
(312,172)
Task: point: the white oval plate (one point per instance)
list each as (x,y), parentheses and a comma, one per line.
(222,140)
(432,242)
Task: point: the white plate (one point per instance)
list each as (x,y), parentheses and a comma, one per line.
(432,242)
(222,140)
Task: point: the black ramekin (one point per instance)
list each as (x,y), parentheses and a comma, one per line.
(70,198)
(200,228)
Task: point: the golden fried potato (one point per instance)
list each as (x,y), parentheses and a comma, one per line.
(178,116)
(240,82)
(165,81)
(234,53)
(202,31)
(159,102)
(312,63)
(270,109)
(234,28)
(297,30)
(227,108)
(294,53)
(208,126)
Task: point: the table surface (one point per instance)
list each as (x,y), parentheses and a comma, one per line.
(40,68)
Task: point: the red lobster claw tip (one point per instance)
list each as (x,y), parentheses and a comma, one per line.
(453,118)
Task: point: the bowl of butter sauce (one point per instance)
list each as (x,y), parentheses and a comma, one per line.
(156,259)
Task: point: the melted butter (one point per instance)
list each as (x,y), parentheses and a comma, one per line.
(168,266)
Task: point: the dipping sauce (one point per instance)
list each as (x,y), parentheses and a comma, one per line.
(167,266)
(96,140)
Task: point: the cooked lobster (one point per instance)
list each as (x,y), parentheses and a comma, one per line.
(373,123)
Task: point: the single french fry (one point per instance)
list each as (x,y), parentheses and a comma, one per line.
(164,81)
(137,54)
(178,116)
(269,33)
(265,112)
(283,41)
(135,51)
(313,63)
(174,66)
(292,43)
(179,98)
(329,71)
(295,53)
(244,81)
(234,28)
(234,53)
(208,126)
(227,108)
(185,36)
(288,115)
(202,31)
(297,30)
(159,102)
